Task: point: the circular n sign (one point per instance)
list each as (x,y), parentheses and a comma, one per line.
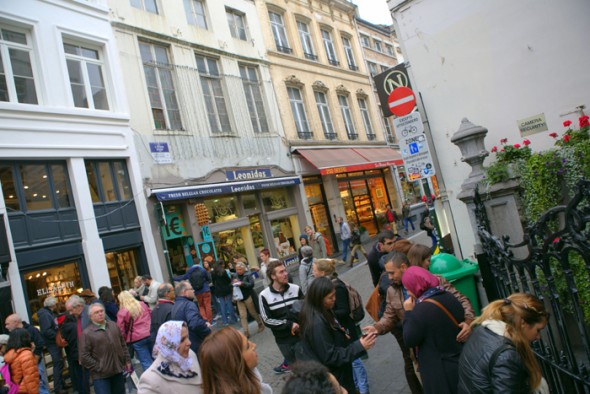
(401,101)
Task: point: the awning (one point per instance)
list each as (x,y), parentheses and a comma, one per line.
(340,160)
(213,189)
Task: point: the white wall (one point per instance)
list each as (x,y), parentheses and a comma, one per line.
(494,62)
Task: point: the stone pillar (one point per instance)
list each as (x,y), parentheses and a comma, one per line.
(502,200)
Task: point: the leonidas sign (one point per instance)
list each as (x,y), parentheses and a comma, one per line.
(534,124)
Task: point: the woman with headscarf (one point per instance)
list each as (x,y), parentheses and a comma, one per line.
(176,368)
(229,364)
(324,338)
(498,357)
(431,324)
(134,319)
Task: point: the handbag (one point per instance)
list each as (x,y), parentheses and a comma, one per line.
(13,388)
(374,304)
(59,340)
(237,294)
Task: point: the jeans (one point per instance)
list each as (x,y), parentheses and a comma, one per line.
(43,384)
(142,350)
(406,221)
(58,365)
(345,246)
(75,373)
(112,385)
(359,373)
(204,301)
(226,309)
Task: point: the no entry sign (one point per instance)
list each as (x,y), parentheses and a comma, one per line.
(401,101)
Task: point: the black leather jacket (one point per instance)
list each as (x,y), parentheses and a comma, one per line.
(508,375)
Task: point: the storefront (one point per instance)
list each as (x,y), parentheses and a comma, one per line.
(239,217)
(357,183)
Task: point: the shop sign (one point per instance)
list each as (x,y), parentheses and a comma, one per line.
(387,82)
(291,261)
(360,167)
(532,125)
(55,289)
(206,249)
(224,188)
(245,175)
(174,227)
(161,152)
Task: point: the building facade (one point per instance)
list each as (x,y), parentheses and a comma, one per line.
(215,162)
(72,201)
(495,63)
(329,113)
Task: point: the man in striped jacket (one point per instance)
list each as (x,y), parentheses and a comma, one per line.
(276,310)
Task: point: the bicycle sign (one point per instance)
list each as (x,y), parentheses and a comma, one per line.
(409,125)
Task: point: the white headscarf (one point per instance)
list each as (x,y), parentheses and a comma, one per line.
(167,343)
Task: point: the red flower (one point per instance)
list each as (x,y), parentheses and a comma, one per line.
(556,240)
(526,142)
(424,198)
(567,123)
(504,140)
(517,146)
(566,138)
(502,150)
(554,135)
(584,121)
(494,149)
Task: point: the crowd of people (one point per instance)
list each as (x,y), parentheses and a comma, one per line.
(171,331)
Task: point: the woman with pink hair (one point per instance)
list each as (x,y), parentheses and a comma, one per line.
(431,324)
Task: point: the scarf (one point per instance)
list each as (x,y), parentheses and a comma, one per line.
(167,343)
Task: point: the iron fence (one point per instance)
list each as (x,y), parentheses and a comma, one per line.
(557,270)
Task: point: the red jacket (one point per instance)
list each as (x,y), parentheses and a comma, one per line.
(134,329)
(23,369)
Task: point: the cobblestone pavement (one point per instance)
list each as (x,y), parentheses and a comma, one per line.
(384,365)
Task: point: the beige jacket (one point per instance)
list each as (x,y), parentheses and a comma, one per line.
(153,381)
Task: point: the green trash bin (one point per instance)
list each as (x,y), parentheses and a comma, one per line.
(459,273)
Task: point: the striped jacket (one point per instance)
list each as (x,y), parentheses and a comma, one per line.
(276,309)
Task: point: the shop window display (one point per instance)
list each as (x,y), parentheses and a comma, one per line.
(222,209)
(283,235)
(274,200)
(60,281)
(122,267)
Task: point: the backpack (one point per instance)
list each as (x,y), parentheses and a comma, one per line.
(197,279)
(328,251)
(5,372)
(355,303)
(355,237)
(390,216)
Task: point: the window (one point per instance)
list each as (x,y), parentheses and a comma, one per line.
(349,54)
(365,41)
(329,46)
(235,20)
(372,68)
(378,46)
(85,68)
(254,98)
(324,111)
(306,42)
(389,49)
(366,118)
(195,13)
(108,181)
(35,186)
(17,83)
(213,94)
(278,31)
(383,68)
(298,108)
(347,116)
(159,80)
(146,5)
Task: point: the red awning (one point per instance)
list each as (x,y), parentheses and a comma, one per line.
(340,160)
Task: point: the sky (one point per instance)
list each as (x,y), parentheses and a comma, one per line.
(374,11)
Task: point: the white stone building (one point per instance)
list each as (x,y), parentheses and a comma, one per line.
(208,130)
(72,200)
